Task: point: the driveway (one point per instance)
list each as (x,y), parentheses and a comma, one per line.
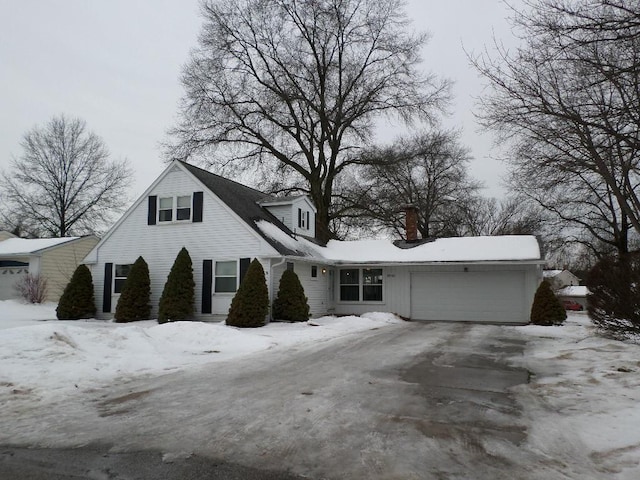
(415,400)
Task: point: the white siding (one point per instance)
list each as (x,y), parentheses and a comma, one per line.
(220,236)
(314,288)
(397,287)
(282,213)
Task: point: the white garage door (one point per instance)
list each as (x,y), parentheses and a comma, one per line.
(8,278)
(469,296)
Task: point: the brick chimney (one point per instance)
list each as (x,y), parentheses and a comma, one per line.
(411,222)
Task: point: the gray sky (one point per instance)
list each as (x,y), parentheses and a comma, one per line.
(116,64)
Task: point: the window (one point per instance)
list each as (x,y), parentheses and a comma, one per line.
(365,284)
(303,219)
(182,208)
(183,211)
(122,272)
(226,277)
(350,285)
(314,271)
(165,209)
(372,284)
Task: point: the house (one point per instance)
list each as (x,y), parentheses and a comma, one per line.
(573,294)
(560,278)
(224,225)
(54,259)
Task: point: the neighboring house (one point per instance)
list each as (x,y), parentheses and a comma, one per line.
(54,259)
(560,278)
(224,225)
(576,294)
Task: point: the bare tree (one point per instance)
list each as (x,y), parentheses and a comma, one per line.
(64,182)
(568,103)
(427,170)
(294,87)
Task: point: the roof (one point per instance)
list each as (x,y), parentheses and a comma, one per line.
(244,201)
(573,291)
(457,249)
(29,246)
(550,273)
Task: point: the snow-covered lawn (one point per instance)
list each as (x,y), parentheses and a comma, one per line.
(581,406)
(583,401)
(47,357)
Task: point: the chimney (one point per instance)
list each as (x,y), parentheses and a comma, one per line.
(411,222)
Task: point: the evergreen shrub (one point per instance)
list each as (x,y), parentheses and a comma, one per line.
(134,303)
(77,300)
(546,308)
(250,305)
(290,304)
(178,295)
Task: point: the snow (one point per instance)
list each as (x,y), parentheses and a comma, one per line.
(551,273)
(581,405)
(573,291)
(26,246)
(583,401)
(47,357)
(458,249)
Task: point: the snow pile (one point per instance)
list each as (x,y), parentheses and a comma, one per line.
(583,399)
(45,358)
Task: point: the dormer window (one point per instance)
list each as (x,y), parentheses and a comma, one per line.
(303,219)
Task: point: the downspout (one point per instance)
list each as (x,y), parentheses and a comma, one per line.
(271,286)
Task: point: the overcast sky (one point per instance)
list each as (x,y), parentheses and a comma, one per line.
(116,64)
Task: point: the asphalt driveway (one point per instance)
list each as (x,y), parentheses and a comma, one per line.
(416,400)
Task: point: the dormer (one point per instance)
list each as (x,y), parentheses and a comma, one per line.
(297,213)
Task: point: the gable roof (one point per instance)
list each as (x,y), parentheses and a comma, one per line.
(29,246)
(245,202)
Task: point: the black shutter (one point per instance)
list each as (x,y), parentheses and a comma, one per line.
(299,218)
(244,266)
(207,271)
(151,216)
(197,206)
(308,226)
(106,290)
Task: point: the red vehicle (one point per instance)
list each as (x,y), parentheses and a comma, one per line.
(571,305)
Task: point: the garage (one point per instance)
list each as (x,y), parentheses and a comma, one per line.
(485,296)
(9,275)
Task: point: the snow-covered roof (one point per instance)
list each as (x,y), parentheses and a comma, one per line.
(458,249)
(551,273)
(28,246)
(573,291)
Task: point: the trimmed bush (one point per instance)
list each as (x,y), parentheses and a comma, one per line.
(614,301)
(77,299)
(250,304)
(291,304)
(178,296)
(134,301)
(546,308)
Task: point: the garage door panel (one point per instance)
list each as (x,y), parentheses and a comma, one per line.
(468,296)
(8,278)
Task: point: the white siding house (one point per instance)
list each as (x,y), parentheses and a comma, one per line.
(224,225)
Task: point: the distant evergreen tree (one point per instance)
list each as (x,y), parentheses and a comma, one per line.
(134,299)
(250,304)
(77,300)
(546,308)
(291,304)
(178,296)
